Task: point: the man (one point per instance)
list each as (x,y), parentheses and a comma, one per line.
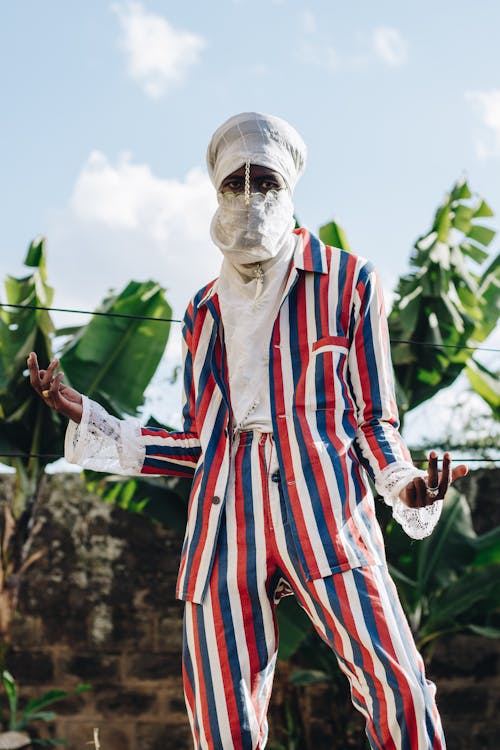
(289,404)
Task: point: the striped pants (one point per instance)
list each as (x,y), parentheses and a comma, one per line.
(230,641)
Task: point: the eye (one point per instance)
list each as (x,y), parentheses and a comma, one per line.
(269,183)
(232,184)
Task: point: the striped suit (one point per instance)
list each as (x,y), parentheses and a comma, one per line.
(334,421)
(333,412)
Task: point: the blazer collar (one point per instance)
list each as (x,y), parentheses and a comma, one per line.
(309,255)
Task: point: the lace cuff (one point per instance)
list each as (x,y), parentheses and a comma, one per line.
(104,443)
(416,522)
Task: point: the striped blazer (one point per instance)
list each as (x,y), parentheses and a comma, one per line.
(333,411)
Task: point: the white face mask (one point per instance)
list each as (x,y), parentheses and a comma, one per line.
(253,232)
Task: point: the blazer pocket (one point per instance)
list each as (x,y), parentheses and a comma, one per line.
(326,371)
(331,343)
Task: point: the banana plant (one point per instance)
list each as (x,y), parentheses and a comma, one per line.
(450,581)
(111,359)
(444,307)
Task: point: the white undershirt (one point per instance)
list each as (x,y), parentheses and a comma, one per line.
(249,301)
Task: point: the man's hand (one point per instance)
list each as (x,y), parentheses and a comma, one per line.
(421,492)
(48,385)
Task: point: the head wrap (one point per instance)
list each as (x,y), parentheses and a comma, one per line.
(264,140)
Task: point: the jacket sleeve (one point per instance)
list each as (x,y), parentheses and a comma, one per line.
(104,443)
(379,445)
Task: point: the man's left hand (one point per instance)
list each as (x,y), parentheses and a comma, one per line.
(423,491)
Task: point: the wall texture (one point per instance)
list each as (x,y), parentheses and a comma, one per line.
(99,608)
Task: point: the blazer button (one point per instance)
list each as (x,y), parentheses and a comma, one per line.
(215,500)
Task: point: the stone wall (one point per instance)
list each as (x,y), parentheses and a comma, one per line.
(99,608)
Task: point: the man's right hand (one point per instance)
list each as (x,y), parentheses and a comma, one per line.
(47,383)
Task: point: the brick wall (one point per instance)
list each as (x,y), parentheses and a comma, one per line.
(99,607)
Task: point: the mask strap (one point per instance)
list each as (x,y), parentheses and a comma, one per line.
(247,182)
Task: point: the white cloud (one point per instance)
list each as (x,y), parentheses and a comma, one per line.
(123,221)
(159,55)
(128,196)
(487,104)
(382,43)
(389,45)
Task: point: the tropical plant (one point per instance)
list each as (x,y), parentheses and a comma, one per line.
(110,358)
(450,581)
(18,724)
(443,303)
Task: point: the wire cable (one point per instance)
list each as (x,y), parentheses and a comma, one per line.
(177,320)
(415,461)
(91,312)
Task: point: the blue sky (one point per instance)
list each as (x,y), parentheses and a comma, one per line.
(107,108)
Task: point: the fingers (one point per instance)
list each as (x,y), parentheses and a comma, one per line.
(48,375)
(459,471)
(41,379)
(415,494)
(432,470)
(47,383)
(34,371)
(421,493)
(448,475)
(445,479)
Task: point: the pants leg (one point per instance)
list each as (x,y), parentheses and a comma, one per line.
(230,640)
(359,615)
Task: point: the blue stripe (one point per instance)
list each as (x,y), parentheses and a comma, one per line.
(357,655)
(208,457)
(166,467)
(208,691)
(385,659)
(316,252)
(251,553)
(189,672)
(231,644)
(341,278)
(402,626)
(157,449)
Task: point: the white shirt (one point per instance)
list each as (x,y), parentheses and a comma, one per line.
(249,300)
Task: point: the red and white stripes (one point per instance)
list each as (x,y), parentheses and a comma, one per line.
(231,639)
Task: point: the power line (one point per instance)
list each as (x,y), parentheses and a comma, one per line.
(90,312)
(442,346)
(177,320)
(415,460)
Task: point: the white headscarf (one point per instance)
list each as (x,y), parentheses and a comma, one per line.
(253,228)
(260,139)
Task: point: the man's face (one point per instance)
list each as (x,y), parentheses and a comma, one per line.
(262,179)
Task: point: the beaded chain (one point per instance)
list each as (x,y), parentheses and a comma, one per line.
(247,182)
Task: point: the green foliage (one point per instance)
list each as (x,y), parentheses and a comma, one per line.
(442,302)
(294,625)
(27,426)
(112,359)
(17,721)
(333,234)
(163,499)
(449,581)
(486,384)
